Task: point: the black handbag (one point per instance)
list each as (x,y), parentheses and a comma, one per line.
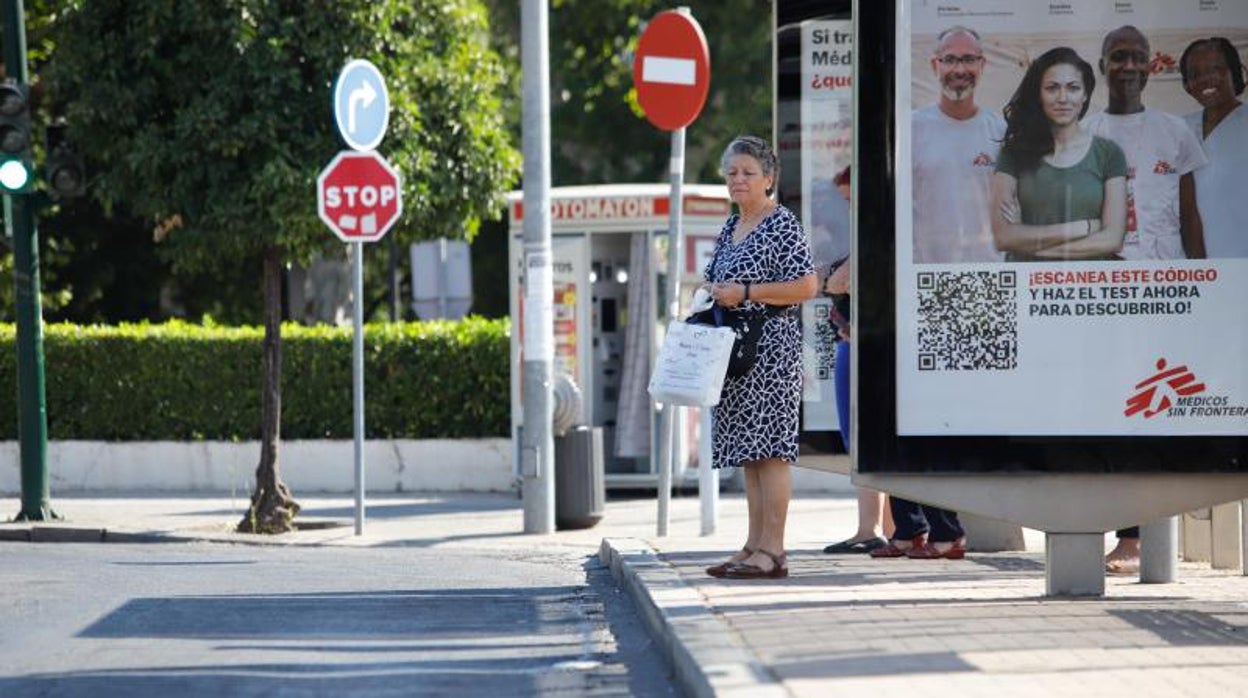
(747,324)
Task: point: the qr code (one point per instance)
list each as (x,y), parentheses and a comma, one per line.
(967,321)
(824,341)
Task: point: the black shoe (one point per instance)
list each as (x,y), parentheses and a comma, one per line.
(851,547)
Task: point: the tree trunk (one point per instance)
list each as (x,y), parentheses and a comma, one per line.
(272,506)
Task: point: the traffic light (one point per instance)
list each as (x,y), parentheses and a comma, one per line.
(15,159)
(67,175)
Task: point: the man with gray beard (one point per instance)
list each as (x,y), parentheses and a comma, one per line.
(954,146)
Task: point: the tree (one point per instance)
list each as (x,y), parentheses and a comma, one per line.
(212,118)
(599,133)
(598,129)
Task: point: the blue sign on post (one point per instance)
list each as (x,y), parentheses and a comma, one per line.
(361,105)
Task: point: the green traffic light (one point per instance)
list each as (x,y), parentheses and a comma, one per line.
(15,168)
(14,175)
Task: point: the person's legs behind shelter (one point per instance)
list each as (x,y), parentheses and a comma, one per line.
(911,528)
(1125,557)
(872,525)
(923,532)
(945,539)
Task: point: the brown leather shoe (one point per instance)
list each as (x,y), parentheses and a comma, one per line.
(779,569)
(722,568)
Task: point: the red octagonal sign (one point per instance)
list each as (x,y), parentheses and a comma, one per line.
(359,196)
(672,70)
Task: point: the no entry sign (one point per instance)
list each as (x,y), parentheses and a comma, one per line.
(672,70)
(358,196)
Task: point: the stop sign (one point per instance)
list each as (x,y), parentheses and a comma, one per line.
(672,70)
(359,196)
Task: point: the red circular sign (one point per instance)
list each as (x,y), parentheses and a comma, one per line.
(672,70)
(359,196)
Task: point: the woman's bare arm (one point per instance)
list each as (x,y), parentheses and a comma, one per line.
(838,281)
(772,292)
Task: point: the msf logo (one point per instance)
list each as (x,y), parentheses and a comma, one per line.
(1152,395)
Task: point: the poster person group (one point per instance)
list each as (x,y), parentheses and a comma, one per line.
(1129,342)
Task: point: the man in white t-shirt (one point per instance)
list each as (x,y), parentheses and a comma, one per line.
(1163,221)
(954,146)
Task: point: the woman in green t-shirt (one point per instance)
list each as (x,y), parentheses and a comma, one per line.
(1058,191)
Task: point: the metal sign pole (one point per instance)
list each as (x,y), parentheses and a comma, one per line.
(357,378)
(675,264)
(362,114)
(537,460)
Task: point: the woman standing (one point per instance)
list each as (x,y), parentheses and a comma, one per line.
(1214,75)
(1059,192)
(873,523)
(761,264)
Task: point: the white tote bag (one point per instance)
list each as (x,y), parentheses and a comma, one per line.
(691,365)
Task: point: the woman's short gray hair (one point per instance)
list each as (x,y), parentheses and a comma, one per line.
(756,148)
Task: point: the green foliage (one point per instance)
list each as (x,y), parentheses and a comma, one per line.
(212,118)
(600,130)
(178,381)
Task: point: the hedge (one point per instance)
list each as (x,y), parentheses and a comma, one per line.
(178,381)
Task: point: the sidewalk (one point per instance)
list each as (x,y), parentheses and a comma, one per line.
(838,626)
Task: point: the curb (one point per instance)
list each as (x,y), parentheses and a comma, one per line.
(78,534)
(37,533)
(706,654)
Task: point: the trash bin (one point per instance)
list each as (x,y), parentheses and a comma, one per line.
(580,480)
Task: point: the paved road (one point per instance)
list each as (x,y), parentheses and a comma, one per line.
(191,619)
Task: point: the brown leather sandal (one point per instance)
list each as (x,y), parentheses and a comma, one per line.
(722,568)
(741,570)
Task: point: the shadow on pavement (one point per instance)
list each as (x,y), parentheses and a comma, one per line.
(532,641)
(435,540)
(388,614)
(383,509)
(819,570)
(482,641)
(409,678)
(180,563)
(1185,627)
(860,664)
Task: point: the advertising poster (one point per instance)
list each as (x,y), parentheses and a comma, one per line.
(563,268)
(1071,218)
(826,60)
(827,133)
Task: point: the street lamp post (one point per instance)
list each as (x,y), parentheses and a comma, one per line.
(19,212)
